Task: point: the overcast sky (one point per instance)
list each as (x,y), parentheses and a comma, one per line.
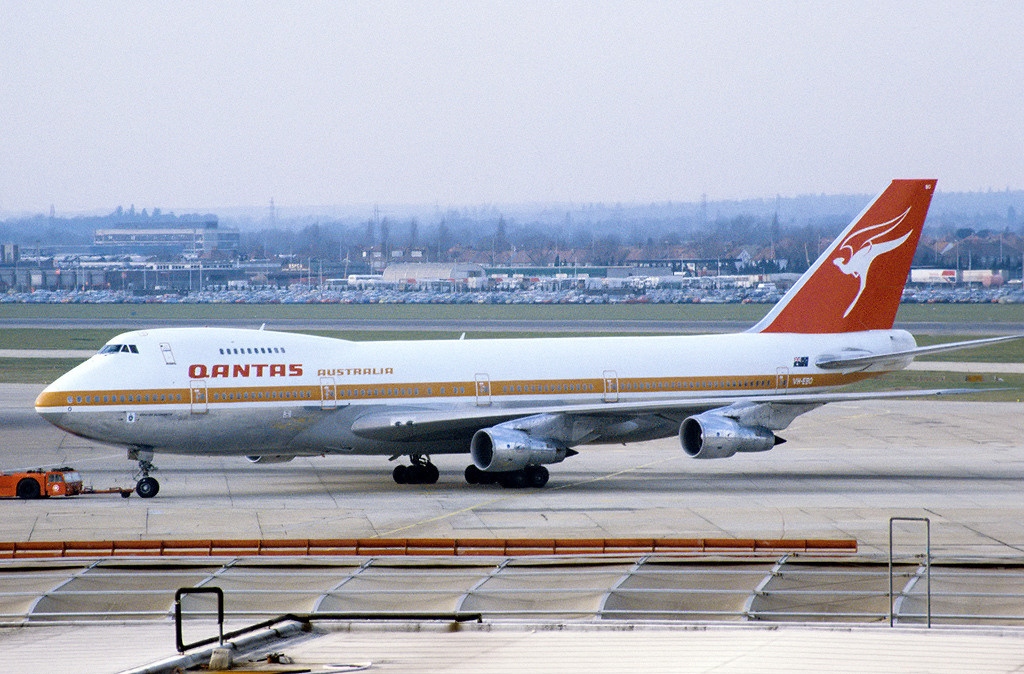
(214,104)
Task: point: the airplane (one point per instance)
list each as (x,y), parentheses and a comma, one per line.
(514,405)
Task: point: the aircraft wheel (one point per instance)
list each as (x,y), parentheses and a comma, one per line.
(28,488)
(537,476)
(515,479)
(430,474)
(147,487)
(399,474)
(474,475)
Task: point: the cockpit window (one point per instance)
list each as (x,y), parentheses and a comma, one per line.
(119,348)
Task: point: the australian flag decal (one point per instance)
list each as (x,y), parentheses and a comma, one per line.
(800,361)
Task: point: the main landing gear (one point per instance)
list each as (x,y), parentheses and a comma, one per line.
(531,476)
(420,472)
(146,487)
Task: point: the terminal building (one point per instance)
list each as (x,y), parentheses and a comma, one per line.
(201,239)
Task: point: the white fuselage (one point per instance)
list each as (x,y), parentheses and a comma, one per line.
(235,391)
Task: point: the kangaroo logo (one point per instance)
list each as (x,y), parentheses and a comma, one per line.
(858,250)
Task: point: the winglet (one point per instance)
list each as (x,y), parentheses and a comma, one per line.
(857,283)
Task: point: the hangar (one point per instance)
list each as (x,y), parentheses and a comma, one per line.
(429,274)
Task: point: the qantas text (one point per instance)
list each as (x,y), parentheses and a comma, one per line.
(200,371)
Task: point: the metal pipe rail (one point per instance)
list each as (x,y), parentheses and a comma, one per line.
(445,547)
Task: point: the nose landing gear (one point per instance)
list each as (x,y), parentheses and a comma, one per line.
(146,487)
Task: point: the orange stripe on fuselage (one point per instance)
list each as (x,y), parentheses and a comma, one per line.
(628,388)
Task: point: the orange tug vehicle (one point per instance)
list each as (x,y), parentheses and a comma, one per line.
(42,483)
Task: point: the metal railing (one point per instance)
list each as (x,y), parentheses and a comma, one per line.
(927,568)
(791,587)
(444,547)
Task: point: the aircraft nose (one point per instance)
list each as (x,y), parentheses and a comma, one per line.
(55,418)
(52,405)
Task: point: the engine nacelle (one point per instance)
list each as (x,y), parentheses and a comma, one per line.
(271,458)
(713,436)
(499,449)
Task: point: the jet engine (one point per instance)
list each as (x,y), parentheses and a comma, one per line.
(714,436)
(271,458)
(499,449)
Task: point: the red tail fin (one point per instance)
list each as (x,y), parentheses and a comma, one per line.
(857,283)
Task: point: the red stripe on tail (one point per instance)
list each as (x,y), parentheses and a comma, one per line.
(857,283)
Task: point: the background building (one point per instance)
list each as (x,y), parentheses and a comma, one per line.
(200,239)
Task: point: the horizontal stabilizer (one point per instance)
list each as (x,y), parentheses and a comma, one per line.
(858,359)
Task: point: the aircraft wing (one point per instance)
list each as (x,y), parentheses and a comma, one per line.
(855,360)
(428,423)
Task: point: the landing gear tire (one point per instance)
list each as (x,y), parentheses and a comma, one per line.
(514,479)
(474,475)
(420,472)
(147,487)
(28,488)
(536,476)
(531,476)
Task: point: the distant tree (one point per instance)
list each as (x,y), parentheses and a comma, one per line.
(581,237)
(443,240)
(369,234)
(385,239)
(608,250)
(500,235)
(414,231)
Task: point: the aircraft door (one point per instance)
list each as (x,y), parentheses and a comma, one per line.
(328,393)
(782,380)
(168,355)
(197,396)
(611,386)
(483,390)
